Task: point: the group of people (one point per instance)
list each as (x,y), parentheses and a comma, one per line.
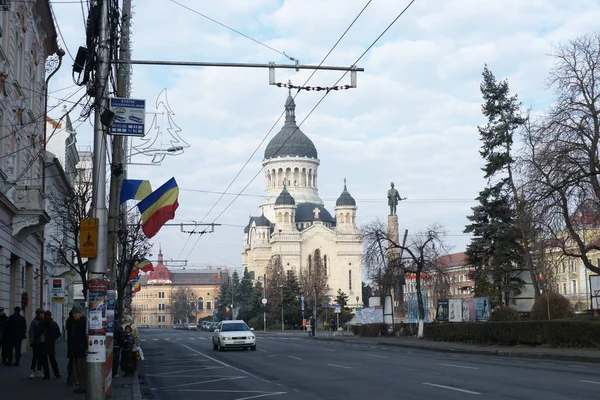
(43,333)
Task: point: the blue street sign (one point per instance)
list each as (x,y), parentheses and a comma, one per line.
(214,313)
(302,298)
(337,308)
(130,115)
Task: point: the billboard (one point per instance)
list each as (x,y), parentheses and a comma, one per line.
(482,309)
(595,291)
(455,310)
(443,311)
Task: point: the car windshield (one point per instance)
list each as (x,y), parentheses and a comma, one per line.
(234,327)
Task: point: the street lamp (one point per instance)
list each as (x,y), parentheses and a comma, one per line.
(282,324)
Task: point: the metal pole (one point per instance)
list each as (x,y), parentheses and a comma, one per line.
(264,305)
(237,65)
(232,298)
(97,266)
(282,324)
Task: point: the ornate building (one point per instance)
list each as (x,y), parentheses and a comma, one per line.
(152,304)
(294,223)
(27,40)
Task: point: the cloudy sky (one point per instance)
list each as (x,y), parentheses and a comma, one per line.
(412,119)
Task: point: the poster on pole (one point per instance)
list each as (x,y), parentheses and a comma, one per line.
(468,310)
(130,115)
(595,291)
(455,310)
(442,314)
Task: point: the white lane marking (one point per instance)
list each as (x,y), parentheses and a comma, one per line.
(223,363)
(518,361)
(576,366)
(545,363)
(326,349)
(155,339)
(202,338)
(261,350)
(186,370)
(167,339)
(451,388)
(592,382)
(229,378)
(144,340)
(457,366)
(339,366)
(261,395)
(295,358)
(192,338)
(375,355)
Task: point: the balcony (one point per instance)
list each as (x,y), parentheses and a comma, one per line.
(31,215)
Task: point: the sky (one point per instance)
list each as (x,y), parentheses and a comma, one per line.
(411,120)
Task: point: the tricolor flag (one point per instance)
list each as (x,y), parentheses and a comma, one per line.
(143,264)
(133,189)
(227,309)
(159,207)
(137,286)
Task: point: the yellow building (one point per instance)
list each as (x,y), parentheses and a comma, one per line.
(152,304)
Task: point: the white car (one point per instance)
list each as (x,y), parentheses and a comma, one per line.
(233,334)
(192,326)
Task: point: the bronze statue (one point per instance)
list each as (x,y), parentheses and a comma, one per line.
(393,199)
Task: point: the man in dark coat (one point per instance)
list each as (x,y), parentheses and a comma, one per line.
(35,342)
(17,327)
(77,345)
(117,335)
(4,343)
(51,333)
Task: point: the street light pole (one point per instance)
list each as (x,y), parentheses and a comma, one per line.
(282,324)
(264,304)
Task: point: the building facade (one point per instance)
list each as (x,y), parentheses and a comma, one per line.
(294,224)
(152,305)
(28,38)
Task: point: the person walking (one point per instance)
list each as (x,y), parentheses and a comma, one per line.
(117,338)
(128,353)
(36,343)
(16,327)
(77,344)
(4,336)
(71,378)
(51,333)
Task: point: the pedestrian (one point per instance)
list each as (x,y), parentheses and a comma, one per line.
(4,336)
(313,325)
(77,345)
(36,343)
(128,352)
(52,333)
(117,338)
(17,327)
(71,378)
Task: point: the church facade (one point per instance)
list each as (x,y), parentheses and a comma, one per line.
(293,221)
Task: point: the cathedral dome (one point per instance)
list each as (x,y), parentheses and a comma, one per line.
(345,198)
(309,212)
(285,198)
(290,141)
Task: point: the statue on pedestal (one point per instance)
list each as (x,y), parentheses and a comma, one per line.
(393,199)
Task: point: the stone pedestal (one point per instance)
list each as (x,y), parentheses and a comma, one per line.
(393,235)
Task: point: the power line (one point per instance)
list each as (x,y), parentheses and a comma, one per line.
(233,30)
(277,121)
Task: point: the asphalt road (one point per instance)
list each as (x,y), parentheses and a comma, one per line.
(182,365)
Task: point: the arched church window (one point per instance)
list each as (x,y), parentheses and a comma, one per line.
(200,304)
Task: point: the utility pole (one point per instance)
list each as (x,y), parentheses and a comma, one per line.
(117,170)
(264,304)
(95,387)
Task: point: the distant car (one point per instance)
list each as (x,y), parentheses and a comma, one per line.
(144,326)
(192,326)
(233,334)
(204,325)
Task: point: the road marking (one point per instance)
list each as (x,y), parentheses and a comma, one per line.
(375,355)
(545,363)
(167,339)
(576,366)
(339,366)
(325,348)
(295,358)
(144,340)
(186,370)
(261,395)
(592,382)
(451,388)
(457,366)
(518,361)
(154,339)
(223,363)
(229,378)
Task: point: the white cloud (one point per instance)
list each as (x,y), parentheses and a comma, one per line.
(412,119)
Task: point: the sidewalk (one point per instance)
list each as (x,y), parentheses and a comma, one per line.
(16,384)
(575,355)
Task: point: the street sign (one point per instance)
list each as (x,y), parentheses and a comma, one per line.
(130,115)
(302,298)
(337,308)
(264,301)
(302,302)
(88,237)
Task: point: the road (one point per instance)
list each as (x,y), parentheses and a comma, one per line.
(182,365)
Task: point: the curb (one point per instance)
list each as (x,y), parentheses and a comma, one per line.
(136,389)
(498,353)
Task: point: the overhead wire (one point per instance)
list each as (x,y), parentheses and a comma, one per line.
(277,122)
(233,30)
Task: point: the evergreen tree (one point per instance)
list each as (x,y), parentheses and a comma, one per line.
(224,299)
(496,250)
(342,299)
(291,300)
(247,296)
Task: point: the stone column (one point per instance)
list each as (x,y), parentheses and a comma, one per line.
(393,255)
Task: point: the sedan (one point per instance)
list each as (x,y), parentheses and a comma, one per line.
(233,334)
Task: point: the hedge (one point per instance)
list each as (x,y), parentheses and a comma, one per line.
(554,333)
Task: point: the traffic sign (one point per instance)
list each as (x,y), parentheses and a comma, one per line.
(130,115)
(337,308)
(88,237)
(302,298)
(264,301)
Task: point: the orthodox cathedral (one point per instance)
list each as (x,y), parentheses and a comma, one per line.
(294,223)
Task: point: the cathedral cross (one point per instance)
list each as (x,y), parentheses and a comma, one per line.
(316,211)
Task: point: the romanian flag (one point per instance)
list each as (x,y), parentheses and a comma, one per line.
(144,265)
(137,286)
(227,309)
(159,207)
(133,189)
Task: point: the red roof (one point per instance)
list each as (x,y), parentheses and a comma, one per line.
(453,260)
(161,272)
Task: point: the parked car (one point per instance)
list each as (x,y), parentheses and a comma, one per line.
(233,334)
(144,326)
(192,326)
(204,325)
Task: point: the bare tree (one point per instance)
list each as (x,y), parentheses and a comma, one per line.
(183,305)
(69,207)
(420,257)
(133,245)
(314,281)
(275,282)
(562,165)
